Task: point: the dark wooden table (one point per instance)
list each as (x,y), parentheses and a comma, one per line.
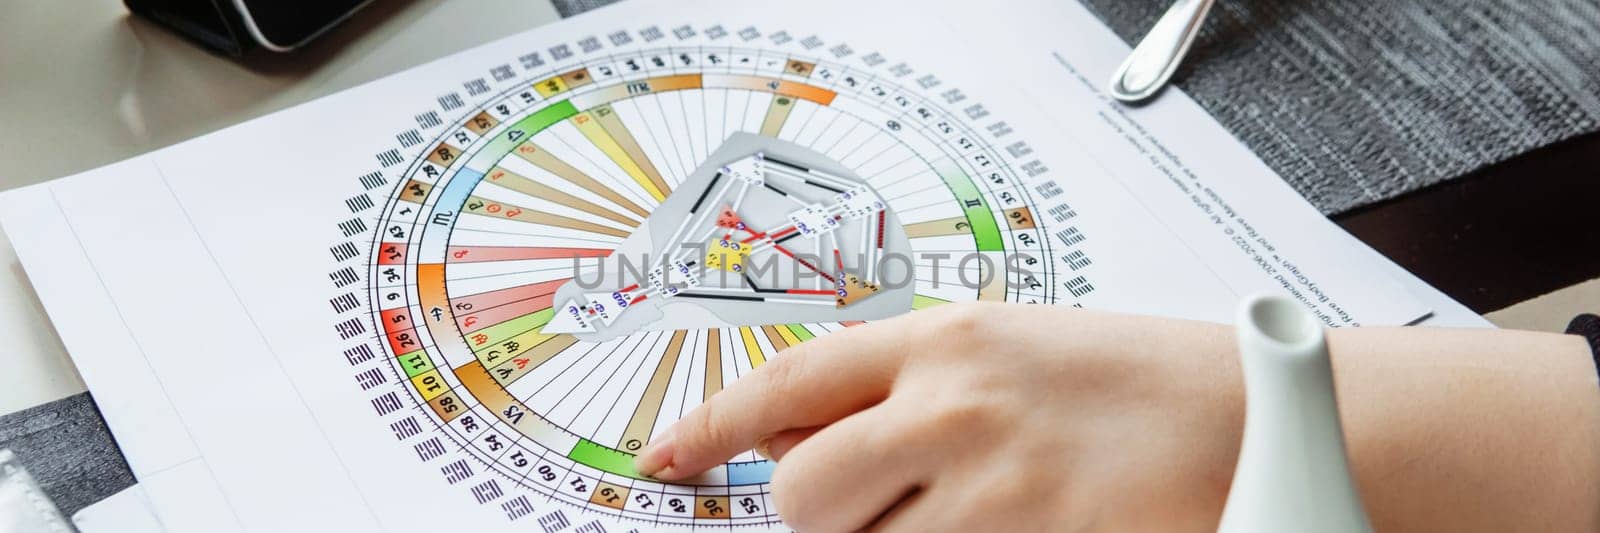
(1501,235)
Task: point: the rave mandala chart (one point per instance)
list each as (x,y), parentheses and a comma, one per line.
(773,190)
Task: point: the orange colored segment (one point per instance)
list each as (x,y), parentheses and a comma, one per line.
(806,92)
(675,83)
(430,288)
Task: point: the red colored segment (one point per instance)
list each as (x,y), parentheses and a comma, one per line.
(529,298)
(395,319)
(404,341)
(727,218)
(811,291)
(392,253)
(477,254)
(637,299)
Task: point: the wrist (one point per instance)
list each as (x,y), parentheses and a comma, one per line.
(1470,430)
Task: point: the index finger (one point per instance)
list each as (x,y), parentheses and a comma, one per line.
(811,384)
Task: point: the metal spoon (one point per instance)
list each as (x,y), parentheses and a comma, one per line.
(1157,56)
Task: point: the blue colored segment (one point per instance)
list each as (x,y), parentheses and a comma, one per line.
(456,192)
(750,473)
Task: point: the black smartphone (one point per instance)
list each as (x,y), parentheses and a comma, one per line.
(233,26)
(283,25)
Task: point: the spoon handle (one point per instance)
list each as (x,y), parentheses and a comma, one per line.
(1157,56)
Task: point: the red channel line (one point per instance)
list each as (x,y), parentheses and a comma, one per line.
(804,263)
(880,229)
(811,291)
(774,235)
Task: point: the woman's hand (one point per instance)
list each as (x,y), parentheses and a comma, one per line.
(984,416)
(1007,417)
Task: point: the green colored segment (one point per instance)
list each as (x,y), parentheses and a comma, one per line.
(524,129)
(919,301)
(544,118)
(416,363)
(984,228)
(603,458)
(800,332)
(504,331)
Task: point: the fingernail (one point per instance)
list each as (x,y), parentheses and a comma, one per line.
(763,448)
(655,456)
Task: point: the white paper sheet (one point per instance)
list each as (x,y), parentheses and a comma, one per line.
(256,384)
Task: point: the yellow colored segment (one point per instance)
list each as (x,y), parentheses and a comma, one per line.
(551,86)
(752,348)
(590,127)
(788,336)
(726,255)
(430,385)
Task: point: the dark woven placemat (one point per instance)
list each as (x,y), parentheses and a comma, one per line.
(1355,102)
(66,446)
(1358,102)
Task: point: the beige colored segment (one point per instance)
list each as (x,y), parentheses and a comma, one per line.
(713,362)
(609,495)
(995,289)
(644,416)
(415,191)
(480,206)
(778,343)
(443,155)
(576,78)
(712,507)
(777,113)
(939,228)
(522,184)
(609,121)
(481,123)
(1019,218)
(513,369)
(800,68)
(543,159)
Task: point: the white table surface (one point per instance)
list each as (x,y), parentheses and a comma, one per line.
(83,84)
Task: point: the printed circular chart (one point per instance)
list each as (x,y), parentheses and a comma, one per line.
(580,261)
